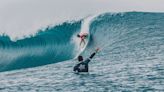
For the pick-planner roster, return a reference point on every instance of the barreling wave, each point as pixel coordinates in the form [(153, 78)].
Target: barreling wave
[(138, 33), (50, 45)]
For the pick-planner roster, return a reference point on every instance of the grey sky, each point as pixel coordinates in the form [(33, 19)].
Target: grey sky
[(23, 17)]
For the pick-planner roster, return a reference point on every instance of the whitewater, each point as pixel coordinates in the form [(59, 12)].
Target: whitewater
[(131, 57)]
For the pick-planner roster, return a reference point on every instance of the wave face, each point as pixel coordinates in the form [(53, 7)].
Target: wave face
[(132, 35), (50, 45)]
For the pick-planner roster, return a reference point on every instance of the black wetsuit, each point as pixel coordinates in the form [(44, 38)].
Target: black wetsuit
[(83, 66)]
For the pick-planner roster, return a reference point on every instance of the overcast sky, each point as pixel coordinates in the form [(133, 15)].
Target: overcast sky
[(23, 17)]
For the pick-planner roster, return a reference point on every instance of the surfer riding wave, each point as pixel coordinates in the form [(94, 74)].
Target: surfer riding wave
[(82, 37)]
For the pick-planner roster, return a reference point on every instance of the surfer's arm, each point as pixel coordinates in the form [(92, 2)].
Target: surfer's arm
[(78, 35), (76, 69), (89, 59), (92, 55)]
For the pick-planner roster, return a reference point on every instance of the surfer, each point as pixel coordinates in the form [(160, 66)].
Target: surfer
[(82, 37), (82, 66)]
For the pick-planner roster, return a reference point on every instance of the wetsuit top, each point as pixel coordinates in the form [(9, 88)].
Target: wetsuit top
[(83, 66)]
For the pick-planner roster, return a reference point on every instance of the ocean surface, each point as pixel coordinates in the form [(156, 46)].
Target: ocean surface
[(131, 57)]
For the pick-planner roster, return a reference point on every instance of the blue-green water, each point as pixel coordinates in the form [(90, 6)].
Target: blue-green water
[(131, 60)]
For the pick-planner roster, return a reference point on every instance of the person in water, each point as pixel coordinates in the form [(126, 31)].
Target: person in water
[(82, 66), (82, 37)]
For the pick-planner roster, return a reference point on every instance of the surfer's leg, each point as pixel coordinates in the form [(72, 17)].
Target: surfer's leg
[(80, 42), (84, 42)]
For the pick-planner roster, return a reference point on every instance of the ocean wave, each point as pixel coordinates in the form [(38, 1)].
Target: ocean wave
[(130, 32)]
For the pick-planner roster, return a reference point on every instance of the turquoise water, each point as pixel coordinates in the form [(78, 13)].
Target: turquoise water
[(48, 46), (131, 59)]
